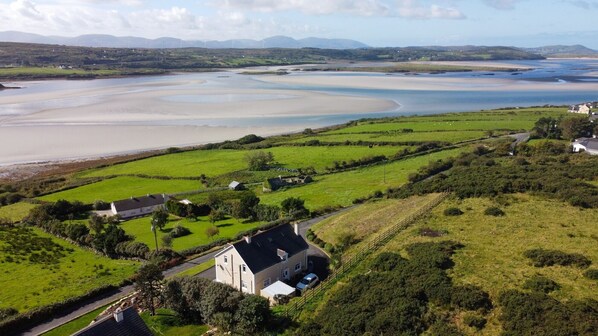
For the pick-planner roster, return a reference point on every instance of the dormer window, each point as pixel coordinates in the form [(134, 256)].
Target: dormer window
[(282, 254)]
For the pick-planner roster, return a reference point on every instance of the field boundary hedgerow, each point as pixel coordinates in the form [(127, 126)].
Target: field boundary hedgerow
[(294, 309)]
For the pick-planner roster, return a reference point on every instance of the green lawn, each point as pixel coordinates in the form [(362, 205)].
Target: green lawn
[(343, 188), (140, 229), (16, 212), (197, 269), (122, 187), (165, 323), (448, 136), (76, 324), (217, 162), (27, 284)]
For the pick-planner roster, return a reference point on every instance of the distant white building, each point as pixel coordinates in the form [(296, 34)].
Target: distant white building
[(584, 108), (588, 145), (234, 185), (138, 206)]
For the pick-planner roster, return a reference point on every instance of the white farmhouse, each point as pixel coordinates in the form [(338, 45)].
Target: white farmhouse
[(257, 262), (138, 206)]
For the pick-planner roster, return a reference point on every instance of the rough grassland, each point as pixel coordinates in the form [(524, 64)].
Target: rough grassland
[(368, 219), (448, 136), (217, 162), (16, 212), (121, 188), (140, 228), (343, 188), (27, 285)]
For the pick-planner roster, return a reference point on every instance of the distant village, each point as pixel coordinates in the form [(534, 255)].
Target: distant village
[(588, 145)]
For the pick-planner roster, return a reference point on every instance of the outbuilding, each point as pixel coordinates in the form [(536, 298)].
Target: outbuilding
[(138, 206)]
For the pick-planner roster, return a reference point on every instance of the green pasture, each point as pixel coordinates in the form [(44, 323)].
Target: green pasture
[(27, 285), (76, 324), (492, 256), (122, 187), (217, 162), (16, 212), (52, 71), (140, 229), (447, 136), (165, 323), (197, 269), (343, 188)]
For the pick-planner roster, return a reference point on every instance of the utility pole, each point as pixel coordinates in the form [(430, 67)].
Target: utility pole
[(155, 233)]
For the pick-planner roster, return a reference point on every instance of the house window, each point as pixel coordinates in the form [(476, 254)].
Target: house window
[(225, 259), (285, 274), (297, 267), (243, 284), (266, 282), (244, 268)]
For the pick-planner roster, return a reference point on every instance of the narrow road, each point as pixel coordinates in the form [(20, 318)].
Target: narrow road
[(97, 302)]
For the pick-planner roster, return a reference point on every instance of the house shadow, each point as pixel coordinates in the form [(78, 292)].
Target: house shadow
[(319, 266), (224, 225)]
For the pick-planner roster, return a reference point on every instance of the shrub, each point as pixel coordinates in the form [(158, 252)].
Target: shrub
[(101, 205), (543, 258), (7, 312), (540, 284), (179, 231), (453, 211), (494, 211), (387, 261), (329, 247), (427, 232), (474, 321), (441, 328), (591, 274), (470, 297)]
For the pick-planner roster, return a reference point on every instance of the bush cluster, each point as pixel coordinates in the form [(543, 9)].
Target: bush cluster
[(543, 258), (591, 274), (179, 231), (474, 321), (494, 211), (542, 284), (10, 198), (368, 160), (452, 211)]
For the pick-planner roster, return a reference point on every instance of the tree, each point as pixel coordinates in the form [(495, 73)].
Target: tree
[(246, 206), (546, 128), (148, 282), (212, 231), (252, 314), (159, 218), (294, 207), (96, 223), (258, 160), (576, 127), (167, 241)]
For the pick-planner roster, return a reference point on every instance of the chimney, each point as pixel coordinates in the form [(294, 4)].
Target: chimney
[(296, 228), (247, 239), (118, 315)]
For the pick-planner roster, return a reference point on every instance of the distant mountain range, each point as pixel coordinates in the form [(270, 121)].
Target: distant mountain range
[(563, 51), (109, 41)]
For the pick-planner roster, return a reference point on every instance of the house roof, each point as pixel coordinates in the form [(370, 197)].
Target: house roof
[(588, 143), (234, 184), (262, 252), (278, 287), (132, 324), (139, 202)]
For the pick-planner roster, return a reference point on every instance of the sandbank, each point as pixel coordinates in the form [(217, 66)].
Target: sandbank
[(401, 82)]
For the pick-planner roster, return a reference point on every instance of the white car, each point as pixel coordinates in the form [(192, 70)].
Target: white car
[(308, 281)]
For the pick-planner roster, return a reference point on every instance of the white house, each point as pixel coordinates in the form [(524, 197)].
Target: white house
[(234, 185), (588, 145), (257, 262), (138, 206)]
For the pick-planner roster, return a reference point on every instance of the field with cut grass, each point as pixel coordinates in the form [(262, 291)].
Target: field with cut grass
[(76, 324), (37, 269), (448, 136), (16, 212), (217, 162), (197, 269), (165, 323), (343, 188), (140, 229), (122, 187)]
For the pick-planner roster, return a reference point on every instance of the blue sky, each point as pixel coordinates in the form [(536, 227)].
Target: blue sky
[(374, 22)]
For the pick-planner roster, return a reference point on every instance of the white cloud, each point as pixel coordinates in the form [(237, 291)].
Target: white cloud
[(583, 4), (26, 9), (321, 7), (415, 10), (502, 4)]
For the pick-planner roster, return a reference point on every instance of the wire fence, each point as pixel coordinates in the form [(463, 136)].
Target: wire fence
[(294, 308)]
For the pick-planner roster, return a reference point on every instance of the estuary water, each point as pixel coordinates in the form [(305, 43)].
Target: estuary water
[(64, 119)]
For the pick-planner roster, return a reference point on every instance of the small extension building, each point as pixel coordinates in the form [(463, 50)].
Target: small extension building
[(255, 263), (234, 185), (588, 145), (138, 206), (121, 323)]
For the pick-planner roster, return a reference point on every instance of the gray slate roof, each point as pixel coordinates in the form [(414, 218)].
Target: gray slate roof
[(139, 202), (589, 143), (132, 324), (262, 252)]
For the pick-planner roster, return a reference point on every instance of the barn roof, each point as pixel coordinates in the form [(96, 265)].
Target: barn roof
[(139, 202)]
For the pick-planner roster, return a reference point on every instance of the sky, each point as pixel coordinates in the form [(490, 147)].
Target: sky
[(378, 23)]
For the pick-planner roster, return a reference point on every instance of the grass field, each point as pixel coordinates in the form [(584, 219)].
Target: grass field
[(76, 324), (448, 136), (164, 323), (27, 284), (122, 187), (16, 212), (343, 188), (140, 228), (197, 269), (217, 162)]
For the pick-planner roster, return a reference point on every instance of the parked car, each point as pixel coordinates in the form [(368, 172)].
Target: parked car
[(307, 282)]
